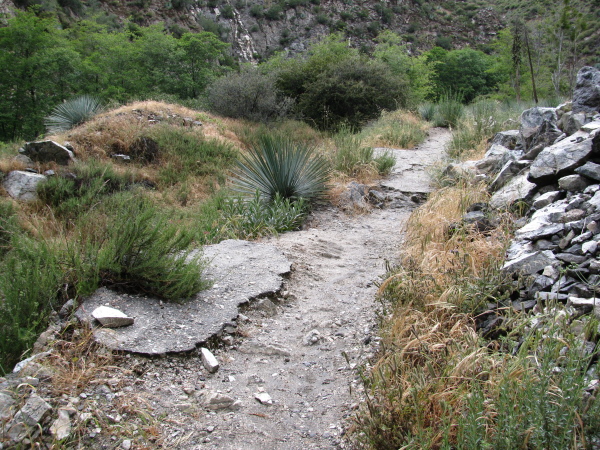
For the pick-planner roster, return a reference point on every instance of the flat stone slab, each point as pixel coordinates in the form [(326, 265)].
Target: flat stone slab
[(241, 271)]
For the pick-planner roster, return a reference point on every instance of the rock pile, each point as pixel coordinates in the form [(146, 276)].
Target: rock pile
[(550, 168)]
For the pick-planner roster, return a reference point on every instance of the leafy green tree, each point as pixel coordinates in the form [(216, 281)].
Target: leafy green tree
[(198, 64), (352, 92), (393, 51), (465, 71), (38, 69)]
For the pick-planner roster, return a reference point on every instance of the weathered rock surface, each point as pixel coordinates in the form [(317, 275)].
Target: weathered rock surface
[(48, 151), (586, 96), (563, 157), (22, 185), (518, 189), (241, 271)]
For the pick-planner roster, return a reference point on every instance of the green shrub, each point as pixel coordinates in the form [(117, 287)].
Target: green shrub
[(140, 251), (250, 219), (427, 111), (30, 286), (274, 12), (250, 95), (257, 11), (70, 197), (385, 162), (72, 113), (278, 166), (227, 12), (187, 153), (352, 91), (8, 226), (449, 110), (351, 154)]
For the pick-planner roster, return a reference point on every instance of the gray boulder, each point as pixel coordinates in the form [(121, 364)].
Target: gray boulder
[(573, 183), (508, 139), (571, 122), (22, 185), (590, 170), (509, 170), (47, 151), (586, 97), (546, 134), (530, 263), (563, 158), (531, 121), (517, 189)]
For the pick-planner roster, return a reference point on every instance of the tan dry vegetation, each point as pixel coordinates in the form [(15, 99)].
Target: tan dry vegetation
[(396, 125), (116, 129)]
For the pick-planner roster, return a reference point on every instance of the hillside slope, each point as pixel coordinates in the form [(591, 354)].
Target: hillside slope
[(258, 28)]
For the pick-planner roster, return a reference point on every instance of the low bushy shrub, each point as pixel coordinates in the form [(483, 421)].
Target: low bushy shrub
[(250, 95), (250, 219)]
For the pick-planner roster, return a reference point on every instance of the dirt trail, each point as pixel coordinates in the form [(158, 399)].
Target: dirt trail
[(302, 350)]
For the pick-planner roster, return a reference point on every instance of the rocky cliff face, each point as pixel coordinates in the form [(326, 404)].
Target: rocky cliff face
[(258, 28)]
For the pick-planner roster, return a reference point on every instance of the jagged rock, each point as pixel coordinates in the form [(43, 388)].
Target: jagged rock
[(312, 337), (25, 422), (263, 398), (7, 404), (545, 135), (208, 360), (546, 199), (217, 401), (590, 170), (494, 159), (586, 96), (590, 247), (563, 158), (354, 197), (25, 160), (571, 122), (516, 190), (61, 427), (508, 139), (507, 172), (531, 120), (47, 151), (111, 317), (591, 126), (22, 185), (266, 306), (573, 183), (530, 263)]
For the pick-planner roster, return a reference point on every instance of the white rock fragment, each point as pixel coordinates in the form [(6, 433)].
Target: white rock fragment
[(263, 398), (111, 317), (589, 247), (61, 427), (208, 359), (217, 401)]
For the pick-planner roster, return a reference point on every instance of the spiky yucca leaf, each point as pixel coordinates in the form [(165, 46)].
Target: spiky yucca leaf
[(72, 113), (279, 166)]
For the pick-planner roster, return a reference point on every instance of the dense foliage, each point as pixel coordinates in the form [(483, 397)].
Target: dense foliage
[(41, 65)]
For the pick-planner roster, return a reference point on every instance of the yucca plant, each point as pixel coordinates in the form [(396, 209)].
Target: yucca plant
[(72, 113), (277, 165)]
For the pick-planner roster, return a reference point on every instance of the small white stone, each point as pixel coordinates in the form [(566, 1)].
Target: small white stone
[(111, 317), (208, 359), (589, 247), (263, 398)]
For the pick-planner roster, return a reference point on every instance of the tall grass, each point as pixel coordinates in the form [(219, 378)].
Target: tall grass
[(449, 110), (438, 384), (396, 129)]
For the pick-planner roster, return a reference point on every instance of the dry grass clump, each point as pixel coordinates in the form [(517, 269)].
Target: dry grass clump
[(397, 129), (116, 130), (438, 384)]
